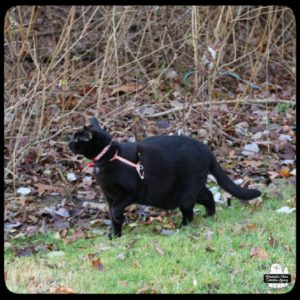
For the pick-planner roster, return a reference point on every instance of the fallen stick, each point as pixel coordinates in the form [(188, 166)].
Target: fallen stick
[(242, 101)]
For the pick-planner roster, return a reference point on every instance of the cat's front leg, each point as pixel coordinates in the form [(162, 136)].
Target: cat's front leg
[(117, 216)]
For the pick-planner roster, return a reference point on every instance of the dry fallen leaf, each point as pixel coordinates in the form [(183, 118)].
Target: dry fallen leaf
[(208, 248), (87, 89), (97, 264), (64, 290), (251, 227), (287, 248), (272, 87), (126, 88), (151, 219), (256, 204), (272, 175), (291, 202), (284, 172), (44, 227), (74, 237), (90, 256), (158, 218), (273, 243), (159, 250), (146, 290), (26, 251), (102, 207), (259, 253), (231, 153), (43, 188), (67, 102), (253, 163), (143, 290)]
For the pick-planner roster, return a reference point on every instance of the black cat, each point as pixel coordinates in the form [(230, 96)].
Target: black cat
[(161, 171)]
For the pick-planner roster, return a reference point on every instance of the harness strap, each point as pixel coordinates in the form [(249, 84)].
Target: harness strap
[(101, 154), (139, 168), (105, 149)]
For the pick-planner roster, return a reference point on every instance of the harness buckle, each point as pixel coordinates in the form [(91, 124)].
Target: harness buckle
[(141, 171)]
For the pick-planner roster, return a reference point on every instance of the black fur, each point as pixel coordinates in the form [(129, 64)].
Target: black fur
[(175, 170)]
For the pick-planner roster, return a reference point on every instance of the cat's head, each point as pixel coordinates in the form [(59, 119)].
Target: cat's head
[(89, 140)]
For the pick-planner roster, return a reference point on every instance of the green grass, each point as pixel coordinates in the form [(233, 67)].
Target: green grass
[(179, 263)]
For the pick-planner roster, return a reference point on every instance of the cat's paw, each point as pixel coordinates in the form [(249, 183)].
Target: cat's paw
[(113, 235), (207, 215)]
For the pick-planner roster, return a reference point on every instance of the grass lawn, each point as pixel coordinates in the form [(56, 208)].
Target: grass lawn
[(214, 255)]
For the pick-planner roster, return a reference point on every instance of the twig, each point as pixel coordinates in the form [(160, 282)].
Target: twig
[(22, 150), (62, 176), (241, 101)]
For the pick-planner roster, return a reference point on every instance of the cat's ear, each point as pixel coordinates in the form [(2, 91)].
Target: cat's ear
[(94, 123), (86, 137)]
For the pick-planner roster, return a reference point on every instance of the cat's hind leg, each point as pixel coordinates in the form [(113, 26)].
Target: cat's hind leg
[(206, 198), (186, 205)]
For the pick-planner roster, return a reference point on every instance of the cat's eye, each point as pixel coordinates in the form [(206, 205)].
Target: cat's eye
[(76, 139)]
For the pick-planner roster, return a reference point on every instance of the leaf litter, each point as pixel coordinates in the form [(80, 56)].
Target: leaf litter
[(51, 173)]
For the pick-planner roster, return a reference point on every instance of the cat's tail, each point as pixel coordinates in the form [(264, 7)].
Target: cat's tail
[(229, 186)]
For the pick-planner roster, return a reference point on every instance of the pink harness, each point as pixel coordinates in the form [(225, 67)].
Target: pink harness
[(139, 168)]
